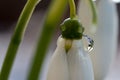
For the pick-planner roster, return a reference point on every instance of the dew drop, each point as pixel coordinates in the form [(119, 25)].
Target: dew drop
[(90, 43), (89, 48)]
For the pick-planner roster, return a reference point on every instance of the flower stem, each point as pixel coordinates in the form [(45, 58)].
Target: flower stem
[(94, 12), (72, 9), (17, 38), (53, 18)]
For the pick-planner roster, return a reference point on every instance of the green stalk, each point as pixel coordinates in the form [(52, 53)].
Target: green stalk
[(72, 9), (17, 38), (53, 18), (94, 12)]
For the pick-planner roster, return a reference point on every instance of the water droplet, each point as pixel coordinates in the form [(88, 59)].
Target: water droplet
[(90, 43), (89, 48)]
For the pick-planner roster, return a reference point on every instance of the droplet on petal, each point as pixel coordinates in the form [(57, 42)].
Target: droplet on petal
[(90, 43), (89, 48)]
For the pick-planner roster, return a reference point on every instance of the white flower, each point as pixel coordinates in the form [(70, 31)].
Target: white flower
[(72, 65), (106, 36)]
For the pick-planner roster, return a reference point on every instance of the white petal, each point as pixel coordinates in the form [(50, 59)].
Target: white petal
[(105, 39), (74, 65), (85, 15), (58, 68), (79, 63)]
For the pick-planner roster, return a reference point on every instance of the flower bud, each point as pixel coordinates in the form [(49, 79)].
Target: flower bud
[(72, 65)]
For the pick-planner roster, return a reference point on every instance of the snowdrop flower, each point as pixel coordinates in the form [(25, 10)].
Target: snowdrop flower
[(70, 61), (105, 37)]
